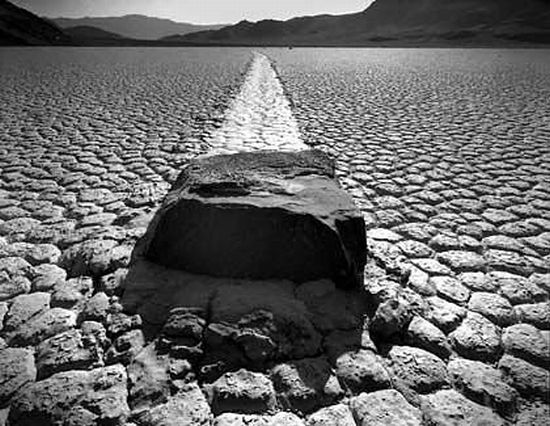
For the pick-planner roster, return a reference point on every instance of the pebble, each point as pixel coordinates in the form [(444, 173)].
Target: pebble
[(527, 378), (383, 408), (492, 306), (362, 371), (306, 384), (423, 334), (527, 342), (448, 407), (335, 415), (17, 369), (484, 385), (67, 351), (416, 369), (243, 392), (476, 338)]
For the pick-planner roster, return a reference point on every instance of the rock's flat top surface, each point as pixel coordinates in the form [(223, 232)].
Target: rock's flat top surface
[(260, 215)]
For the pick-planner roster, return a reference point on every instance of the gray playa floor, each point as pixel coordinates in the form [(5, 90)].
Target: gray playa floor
[(446, 153)]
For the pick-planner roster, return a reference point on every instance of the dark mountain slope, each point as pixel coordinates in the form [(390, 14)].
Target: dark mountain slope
[(135, 26), (399, 22), (21, 27), (85, 35)]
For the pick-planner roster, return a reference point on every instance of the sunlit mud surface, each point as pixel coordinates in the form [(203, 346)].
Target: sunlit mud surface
[(446, 153)]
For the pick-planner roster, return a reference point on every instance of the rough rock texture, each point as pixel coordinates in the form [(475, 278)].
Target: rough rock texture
[(260, 215), (279, 419), (74, 397), (483, 384), (383, 408), (243, 392), (16, 370), (362, 371), (335, 415), (448, 407), (453, 186), (187, 407), (306, 384)]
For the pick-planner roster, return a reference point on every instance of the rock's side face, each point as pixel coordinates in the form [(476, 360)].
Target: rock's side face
[(260, 215)]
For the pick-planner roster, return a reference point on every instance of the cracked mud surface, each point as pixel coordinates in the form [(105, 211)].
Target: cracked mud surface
[(447, 153)]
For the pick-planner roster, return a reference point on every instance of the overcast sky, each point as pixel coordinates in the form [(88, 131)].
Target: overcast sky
[(195, 11)]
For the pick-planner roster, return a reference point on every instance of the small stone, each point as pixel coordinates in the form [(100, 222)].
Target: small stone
[(187, 407), (279, 419), (527, 342), (119, 323), (72, 293), (92, 257), (394, 313), (46, 276), (526, 378), (83, 398), (126, 347), (242, 392), (148, 378), (362, 371), (414, 249), (448, 407), (492, 306), (425, 335), (537, 314), (517, 289), (25, 307), (419, 281), (96, 308), (417, 370), (462, 261), (16, 370), (385, 407), (535, 414), (39, 327), (306, 384), (477, 281), (431, 266), (541, 280), (443, 314), (477, 338), (42, 253), (384, 235), (336, 415), (67, 351), (113, 283), (483, 384), (11, 287), (450, 288), (185, 323), (509, 261)]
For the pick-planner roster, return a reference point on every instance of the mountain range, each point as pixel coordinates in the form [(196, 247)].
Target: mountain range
[(398, 22), (137, 27), (21, 27), (383, 23)]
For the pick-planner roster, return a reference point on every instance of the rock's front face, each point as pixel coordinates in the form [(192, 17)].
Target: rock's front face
[(260, 215)]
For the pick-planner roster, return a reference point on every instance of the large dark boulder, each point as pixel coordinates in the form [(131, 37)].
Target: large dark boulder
[(259, 215)]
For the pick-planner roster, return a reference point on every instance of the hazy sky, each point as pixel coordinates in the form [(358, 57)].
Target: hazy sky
[(196, 11)]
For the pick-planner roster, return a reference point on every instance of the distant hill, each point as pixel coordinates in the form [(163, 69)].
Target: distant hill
[(137, 27), (398, 22), (91, 35), (21, 27)]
